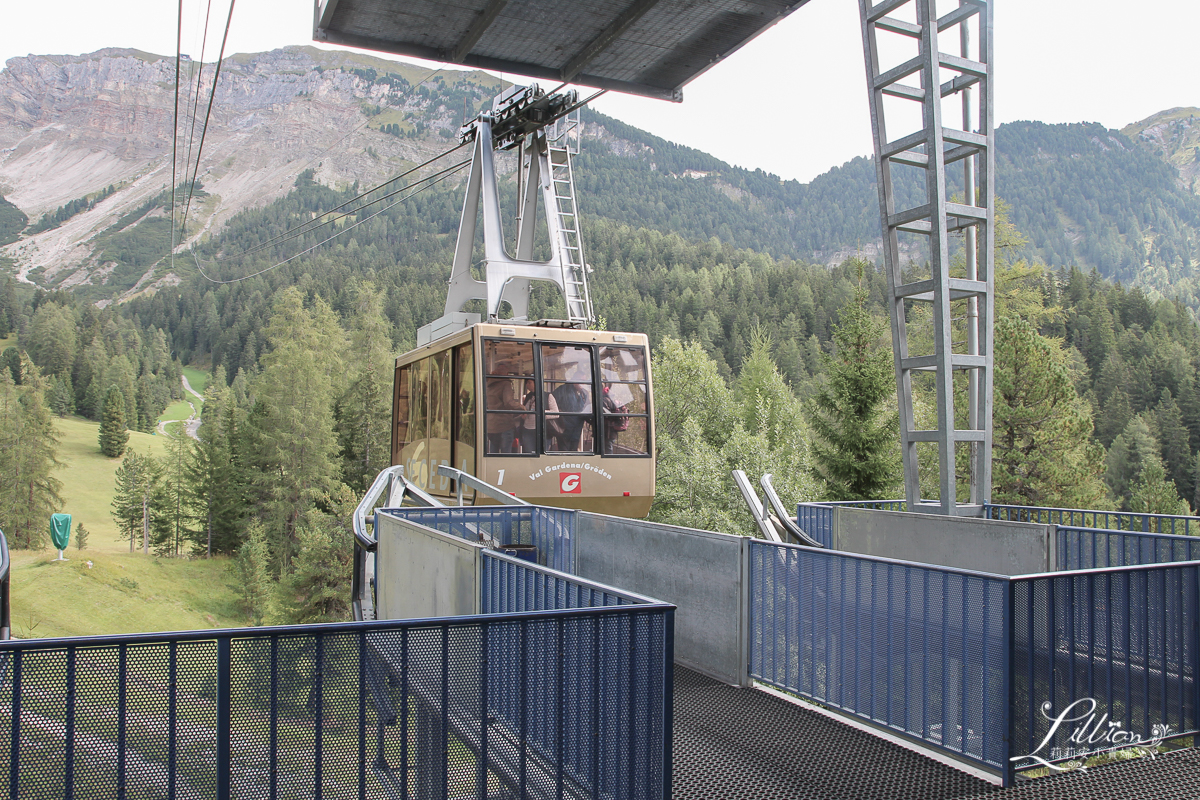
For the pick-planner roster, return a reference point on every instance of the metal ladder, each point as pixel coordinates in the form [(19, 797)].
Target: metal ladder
[(561, 141)]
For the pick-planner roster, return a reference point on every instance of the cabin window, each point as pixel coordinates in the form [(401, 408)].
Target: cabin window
[(415, 457), (508, 372), (568, 402), (440, 415), (550, 404), (464, 410), (625, 417), (400, 412)]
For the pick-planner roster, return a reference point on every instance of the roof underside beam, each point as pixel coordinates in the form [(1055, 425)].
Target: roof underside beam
[(477, 29), (496, 64), (606, 37)]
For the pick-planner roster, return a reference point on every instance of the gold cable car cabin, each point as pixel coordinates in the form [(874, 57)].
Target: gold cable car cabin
[(555, 416), (549, 411)]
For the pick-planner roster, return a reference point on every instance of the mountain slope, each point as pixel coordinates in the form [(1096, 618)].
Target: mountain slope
[(1173, 136), (85, 153), (71, 126)]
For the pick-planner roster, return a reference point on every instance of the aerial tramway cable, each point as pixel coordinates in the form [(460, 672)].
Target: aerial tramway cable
[(175, 127), (313, 224), (196, 93), (204, 130), (440, 176)]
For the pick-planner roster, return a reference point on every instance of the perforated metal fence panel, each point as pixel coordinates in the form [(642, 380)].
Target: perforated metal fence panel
[(920, 650), (816, 521), (510, 585), (1114, 647), (559, 704), (1090, 548), (550, 530)]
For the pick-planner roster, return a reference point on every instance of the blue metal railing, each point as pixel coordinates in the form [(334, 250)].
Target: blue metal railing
[(816, 519), (1104, 520), (407, 708), (550, 530), (1112, 650), (918, 649), (512, 585), (636, 644), (1095, 548), (979, 665)]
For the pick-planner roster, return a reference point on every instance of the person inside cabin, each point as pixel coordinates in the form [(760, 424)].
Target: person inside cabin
[(615, 420), (575, 401), (502, 428)]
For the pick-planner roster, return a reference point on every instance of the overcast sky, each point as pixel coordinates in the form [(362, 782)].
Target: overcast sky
[(793, 102)]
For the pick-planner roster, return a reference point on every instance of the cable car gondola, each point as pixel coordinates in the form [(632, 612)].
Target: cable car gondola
[(550, 411)]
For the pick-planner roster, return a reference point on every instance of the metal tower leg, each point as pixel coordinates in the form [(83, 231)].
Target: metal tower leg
[(953, 332)]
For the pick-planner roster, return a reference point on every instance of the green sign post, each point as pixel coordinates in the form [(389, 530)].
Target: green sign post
[(60, 533)]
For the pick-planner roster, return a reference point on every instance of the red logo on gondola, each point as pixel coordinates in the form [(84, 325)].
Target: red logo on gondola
[(570, 483)]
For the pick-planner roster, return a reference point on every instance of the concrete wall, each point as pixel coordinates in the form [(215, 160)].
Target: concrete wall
[(425, 573), (999, 547), (700, 572)]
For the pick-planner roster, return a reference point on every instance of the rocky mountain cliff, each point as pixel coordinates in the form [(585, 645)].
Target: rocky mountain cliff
[(1175, 137), (71, 126)]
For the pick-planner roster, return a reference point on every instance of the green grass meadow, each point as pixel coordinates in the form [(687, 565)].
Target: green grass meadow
[(121, 592)]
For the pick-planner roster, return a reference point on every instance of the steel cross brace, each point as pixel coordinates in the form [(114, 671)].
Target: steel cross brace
[(948, 66)]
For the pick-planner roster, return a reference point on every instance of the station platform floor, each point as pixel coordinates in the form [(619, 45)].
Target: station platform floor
[(733, 743)]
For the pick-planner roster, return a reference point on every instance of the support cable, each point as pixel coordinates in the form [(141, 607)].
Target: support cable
[(175, 127), (440, 176), (313, 224), (204, 130), (199, 83)]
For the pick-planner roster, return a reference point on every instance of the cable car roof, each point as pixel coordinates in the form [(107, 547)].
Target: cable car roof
[(646, 47)]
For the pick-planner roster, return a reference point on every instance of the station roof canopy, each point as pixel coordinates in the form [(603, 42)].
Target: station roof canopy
[(646, 47)]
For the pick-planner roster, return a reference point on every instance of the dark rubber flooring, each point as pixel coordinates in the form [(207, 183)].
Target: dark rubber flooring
[(744, 743)]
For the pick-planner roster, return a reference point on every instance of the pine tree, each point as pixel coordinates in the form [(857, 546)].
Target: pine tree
[(214, 475), (171, 524), (29, 492), (11, 360), (135, 501), (1042, 453), (1173, 438), (1154, 493), (113, 435), (318, 588), (295, 445), (254, 568), (856, 427), (62, 398), (1128, 455), (364, 410), (81, 537)]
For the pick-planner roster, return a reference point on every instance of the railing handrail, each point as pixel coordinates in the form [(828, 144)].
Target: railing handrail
[(322, 628), (1093, 511), (1182, 537), (363, 543), (633, 598), (885, 560), (1071, 573), (757, 510), (464, 479)]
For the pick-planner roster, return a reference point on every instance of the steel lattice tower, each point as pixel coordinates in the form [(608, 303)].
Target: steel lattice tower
[(940, 281)]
